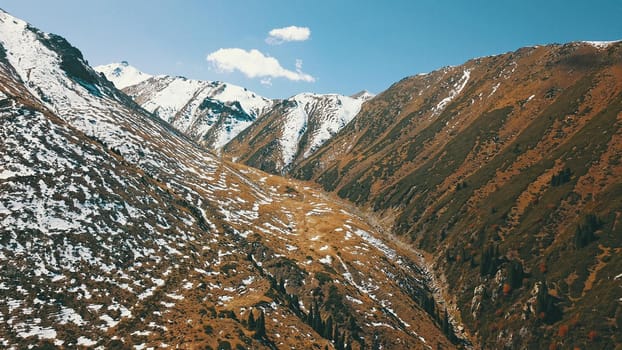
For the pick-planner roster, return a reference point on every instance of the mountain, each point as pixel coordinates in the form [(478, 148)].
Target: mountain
[(363, 95), (118, 231), (505, 170), (209, 112), (213, 113), (122, 74), (294, 129)]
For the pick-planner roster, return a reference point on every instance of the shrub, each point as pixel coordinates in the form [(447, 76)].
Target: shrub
[(584, 234), (592, 335), (224, 345), (563, 330), (507, 289)]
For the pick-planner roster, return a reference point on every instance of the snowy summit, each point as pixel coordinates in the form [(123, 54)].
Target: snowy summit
[(122, 74)]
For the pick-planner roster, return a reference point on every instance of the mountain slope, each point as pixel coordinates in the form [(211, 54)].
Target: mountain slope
[(506, 170), (117, 231), (293, 130)]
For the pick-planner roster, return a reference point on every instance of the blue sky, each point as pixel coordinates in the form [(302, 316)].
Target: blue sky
[(353, 45)]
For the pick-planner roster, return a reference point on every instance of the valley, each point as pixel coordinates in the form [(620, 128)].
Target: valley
[(120, 232), (473, 207)]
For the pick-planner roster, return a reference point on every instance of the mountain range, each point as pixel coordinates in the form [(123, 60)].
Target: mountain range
[(476, 206), (214, 113)]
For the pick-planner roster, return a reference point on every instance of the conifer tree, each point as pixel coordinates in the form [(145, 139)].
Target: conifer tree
[(447, 328), (489, 261), (260, 327), (316, 320), (251, 320), (328, 328), (335, 335)]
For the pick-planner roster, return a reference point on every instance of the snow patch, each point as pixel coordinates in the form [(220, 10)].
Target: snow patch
[(457, 89), (601, 44)]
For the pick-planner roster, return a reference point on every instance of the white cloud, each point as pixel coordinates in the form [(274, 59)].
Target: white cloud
[(292, 33), (266, 81), (254, 64)]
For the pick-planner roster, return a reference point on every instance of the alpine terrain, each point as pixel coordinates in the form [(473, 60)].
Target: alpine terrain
[(507, 172), (293, 130), (477, 206), (118, 231), (213, 113)]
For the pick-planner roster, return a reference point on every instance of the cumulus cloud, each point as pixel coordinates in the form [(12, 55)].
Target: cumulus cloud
[(292, 33), (254, 64)]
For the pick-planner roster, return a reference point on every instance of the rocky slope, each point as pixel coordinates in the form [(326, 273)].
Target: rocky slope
[(507, 171), (116, 231), (293, 130)]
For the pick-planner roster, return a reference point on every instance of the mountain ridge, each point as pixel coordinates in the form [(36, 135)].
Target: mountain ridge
[(293, 130), (467, 162), (215, 113)]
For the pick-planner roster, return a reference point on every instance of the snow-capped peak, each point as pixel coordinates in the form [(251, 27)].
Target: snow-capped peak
[(320, 116), (122, 74), (363, 95), (211, 112)]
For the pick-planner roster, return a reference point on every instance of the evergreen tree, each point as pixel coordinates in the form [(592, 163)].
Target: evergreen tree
[(316, 320), (489, 261), (335, 335), (446, 325), (353, 327), (515, 274), (251, 320), (328, 328), (260, 327), (375, 345), (584, 234), (339, 341), (561, 178), (546, 309), (294, 302), (310, 316)]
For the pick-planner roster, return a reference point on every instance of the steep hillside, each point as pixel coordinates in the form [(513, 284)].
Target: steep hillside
[(116, 231), (508, 171), (293, 130)]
